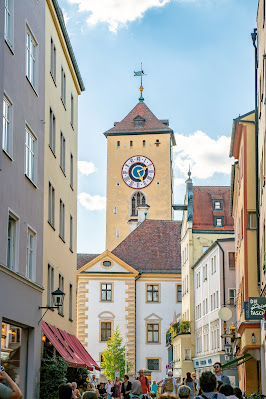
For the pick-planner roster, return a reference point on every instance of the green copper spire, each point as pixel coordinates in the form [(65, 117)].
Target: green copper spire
[(140, 73)]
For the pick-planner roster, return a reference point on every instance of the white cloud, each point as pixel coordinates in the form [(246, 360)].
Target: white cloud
[(86, 168), (92, 202), (65, 16), (204, 155), (178, 181), (116, 13)]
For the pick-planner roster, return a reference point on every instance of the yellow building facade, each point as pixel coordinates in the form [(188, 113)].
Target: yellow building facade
[(63, 86), (200, 229), (139, 171), (243, 209)]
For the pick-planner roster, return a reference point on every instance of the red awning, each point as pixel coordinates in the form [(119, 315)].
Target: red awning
[(69, 347)]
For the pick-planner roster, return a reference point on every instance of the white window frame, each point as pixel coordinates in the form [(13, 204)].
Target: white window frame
[(61, 287), (30, 155), (63, 86), (31, 254), (53, 60), (71, 233), (62, 220), (14, 242), (232, 302), (71, 302), (51, 204), (9, 23), (50, 284), (72, 111), (117, 233), (187, 354), (71, 171), (52, 131), (63, 153), (31, 58), (7, 135)]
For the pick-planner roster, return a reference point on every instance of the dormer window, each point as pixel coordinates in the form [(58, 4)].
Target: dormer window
[(217, 205), (218, 221), (139, 122)]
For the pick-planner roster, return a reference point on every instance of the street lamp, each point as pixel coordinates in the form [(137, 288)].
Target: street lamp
[(58, 297)]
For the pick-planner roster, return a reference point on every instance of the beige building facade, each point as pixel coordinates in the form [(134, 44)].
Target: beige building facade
[(63, 86)]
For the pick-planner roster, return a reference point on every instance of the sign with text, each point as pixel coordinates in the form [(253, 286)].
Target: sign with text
[(117, 373), (256, 308)]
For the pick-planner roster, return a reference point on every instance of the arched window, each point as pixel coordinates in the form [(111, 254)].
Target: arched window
[(137, 199)]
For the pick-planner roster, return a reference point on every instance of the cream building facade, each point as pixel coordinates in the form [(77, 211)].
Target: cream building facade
[(63, 86)]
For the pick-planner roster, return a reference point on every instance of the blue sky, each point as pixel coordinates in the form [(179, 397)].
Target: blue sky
[(199, 61)]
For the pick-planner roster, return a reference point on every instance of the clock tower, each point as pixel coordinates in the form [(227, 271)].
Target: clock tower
[(139, 171)]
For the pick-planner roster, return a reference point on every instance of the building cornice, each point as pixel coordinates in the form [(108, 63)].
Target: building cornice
[(21, 278)]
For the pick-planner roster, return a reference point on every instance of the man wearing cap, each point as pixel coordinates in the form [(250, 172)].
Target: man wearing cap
[(169, 381), (145, 385)]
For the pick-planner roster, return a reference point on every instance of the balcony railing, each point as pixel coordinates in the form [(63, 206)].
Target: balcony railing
[(179, 328)]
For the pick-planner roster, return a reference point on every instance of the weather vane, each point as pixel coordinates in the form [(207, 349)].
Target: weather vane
[(140, 73)]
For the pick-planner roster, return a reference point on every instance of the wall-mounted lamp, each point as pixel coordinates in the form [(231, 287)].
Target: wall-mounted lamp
[(57, 299), (253, 338)]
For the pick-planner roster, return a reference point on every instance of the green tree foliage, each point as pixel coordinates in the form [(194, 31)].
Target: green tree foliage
[(53, 373), (73, 373), (114, 356)]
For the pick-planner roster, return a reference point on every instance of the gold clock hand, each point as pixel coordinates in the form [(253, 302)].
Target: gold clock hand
[(140, 177)]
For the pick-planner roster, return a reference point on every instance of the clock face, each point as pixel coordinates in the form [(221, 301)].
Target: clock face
[(138, 171)]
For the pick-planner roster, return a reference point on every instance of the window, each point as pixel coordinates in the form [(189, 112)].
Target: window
[(63, 87), (179, 293), (71, 171), (231, 256), (30, 155), (31, 53), (52, 131), (72, 111), (153, 364), (153, 333), (144, 143), (218, 221), (217, 299), (118, 144), (115, 210), (12, 242), (51, 204), (232, 296), (252, 220), (131, 143), (53, 60), (106, 290), (62, 153), (137, 199), (187, 354), (31, 245), (50, 285), (204, 274), (117, 233), (204, 249), (106, 331), (62, 221), (107, 263), (217, 205), (152, 293), (71, 233), (9, 18), (70, 301), (61, 287), (7, 131)]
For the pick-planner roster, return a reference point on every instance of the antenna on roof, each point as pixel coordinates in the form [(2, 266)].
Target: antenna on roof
[(140, 73)]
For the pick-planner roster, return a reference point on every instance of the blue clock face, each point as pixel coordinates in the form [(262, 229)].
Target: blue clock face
[(138, 172)]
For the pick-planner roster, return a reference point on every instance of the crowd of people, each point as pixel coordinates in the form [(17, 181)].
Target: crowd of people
[(210, 386)]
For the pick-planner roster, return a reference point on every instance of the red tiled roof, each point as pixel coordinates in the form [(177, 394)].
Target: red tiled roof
[(83, 259), (152, 124), (203, 213), (154, 246)]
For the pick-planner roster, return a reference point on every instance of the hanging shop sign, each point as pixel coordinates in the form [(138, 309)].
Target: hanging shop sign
[(256, 308)]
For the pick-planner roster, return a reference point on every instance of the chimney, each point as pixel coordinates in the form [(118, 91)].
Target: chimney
[(132, 224), (142, 212)]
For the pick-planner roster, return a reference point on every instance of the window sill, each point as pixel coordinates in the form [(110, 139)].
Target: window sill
[(52, 151), (53, 79), (63, 103), (62, 239), (71, 250), (70, 320), (51, 225), (61, 314), (7, 154), (71, 188), (32, 182), (72, 126), (153, 343), (153, 302), (106, 301), (33, 88), (9, 45), (63, 171)]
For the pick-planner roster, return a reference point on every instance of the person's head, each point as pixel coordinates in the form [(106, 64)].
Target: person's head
[(153, 394), (101, 385), (109, 382), (136, 387), (184, 392), (189, 379), (170, 373), (79, 377), (93, 377), (141, 372), (65, 391), (74, 385), (207, 381), (89, 395), (193, 375), (238, 393), (217, 368), (226, 389), (126, 377), (219, 384), (117, 379), (154, 382), (167, 395)]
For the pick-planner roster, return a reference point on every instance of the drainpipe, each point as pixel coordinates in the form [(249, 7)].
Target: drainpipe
[(140, 273), (221, 248), (254, 40)]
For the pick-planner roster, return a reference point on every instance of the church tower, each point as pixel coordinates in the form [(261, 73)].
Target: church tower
[(139, 172)]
